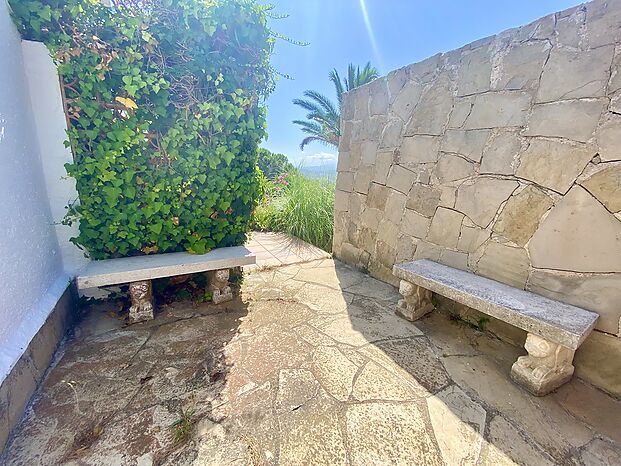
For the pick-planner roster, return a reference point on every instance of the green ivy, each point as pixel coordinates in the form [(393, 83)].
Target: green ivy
[(164, 103)]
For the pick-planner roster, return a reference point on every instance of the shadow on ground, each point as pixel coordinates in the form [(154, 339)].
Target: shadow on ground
[(457, 382), (117, 393), (311, 366)]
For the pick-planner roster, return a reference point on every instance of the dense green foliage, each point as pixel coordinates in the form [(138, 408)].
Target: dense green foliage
[(300, 206), (273, 164), (323, 120), (164, 105)]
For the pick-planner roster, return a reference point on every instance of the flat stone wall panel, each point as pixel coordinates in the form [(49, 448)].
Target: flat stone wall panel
[(432, 111), (520, 217), (502, 158), (520, 67), (573, 74), (598, 292), (608, 136), (481, 198), (605, 185), (553, 164), (500, 153), (498, 110), (598, 360), (469, 144), (578, 235), (568, 119)]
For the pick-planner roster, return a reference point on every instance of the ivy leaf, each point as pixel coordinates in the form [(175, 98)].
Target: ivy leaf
[(131, 89), (146, 36), (126, 102), (150, 249), (224, 205), (155, 228), (199, 247), (111, 195), (45, 13), (228, 157)]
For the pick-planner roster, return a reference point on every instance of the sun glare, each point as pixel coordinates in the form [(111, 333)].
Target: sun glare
[(367, 22)]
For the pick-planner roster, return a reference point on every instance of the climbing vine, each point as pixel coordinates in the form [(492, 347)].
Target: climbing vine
[(164, 107)]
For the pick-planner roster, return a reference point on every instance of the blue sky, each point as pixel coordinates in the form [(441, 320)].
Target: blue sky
[(404, 31)]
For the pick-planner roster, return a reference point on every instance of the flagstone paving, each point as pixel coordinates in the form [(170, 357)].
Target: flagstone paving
[(310, 366), (275, 249)]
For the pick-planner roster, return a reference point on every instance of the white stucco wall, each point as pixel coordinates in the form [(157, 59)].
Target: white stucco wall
[(31, 272), (51, 127)]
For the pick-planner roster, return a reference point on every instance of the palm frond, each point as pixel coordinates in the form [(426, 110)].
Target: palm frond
[(330, 121), (324, 117), (318, 132), (338, 86), (307, 105), (327, 105), (310, 125), (368, 74), (307, 140), (322, 133)]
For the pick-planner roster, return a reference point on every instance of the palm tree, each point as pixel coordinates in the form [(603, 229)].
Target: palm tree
[(322, 123)]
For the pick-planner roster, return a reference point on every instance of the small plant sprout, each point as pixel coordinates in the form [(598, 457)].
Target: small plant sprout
[(182, 427)]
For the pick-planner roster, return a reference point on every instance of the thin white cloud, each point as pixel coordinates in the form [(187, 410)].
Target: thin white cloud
[(319, 159)]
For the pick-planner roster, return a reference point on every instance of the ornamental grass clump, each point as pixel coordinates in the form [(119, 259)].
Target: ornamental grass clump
[(164, 104), (300, 206)]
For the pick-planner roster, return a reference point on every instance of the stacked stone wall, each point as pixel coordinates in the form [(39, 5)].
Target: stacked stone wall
[(502, 158)]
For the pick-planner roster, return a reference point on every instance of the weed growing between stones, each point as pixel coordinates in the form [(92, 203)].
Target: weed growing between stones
[(183, 427)]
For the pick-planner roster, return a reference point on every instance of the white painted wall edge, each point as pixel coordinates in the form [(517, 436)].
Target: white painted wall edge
[(18, 342), (51, 128), (31, 270)]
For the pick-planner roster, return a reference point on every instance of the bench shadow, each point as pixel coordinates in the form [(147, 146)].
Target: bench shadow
[(131, 390), (458, 376)]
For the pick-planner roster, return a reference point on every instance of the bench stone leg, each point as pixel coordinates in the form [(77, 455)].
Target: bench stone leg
[(218, 285), (141, 294), (547, 366), (416, 301)]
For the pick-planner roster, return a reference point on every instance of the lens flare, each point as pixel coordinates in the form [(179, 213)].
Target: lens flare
[(367, 22)]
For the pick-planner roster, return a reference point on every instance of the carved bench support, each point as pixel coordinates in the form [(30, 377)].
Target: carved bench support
[(218, 285), (416, 301), (141, 295), (547, 366)]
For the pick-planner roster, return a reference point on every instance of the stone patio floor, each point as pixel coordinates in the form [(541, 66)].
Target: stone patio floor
[(274, 249), (309, 366)]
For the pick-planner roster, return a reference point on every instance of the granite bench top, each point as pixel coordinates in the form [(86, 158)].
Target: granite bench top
[(553, 320), (133, 269)]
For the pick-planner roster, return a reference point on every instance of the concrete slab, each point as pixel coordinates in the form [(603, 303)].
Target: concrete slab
[(133, 269), (555, 321)]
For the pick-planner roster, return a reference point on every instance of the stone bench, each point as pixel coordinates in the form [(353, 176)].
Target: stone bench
[(555, 329), (138, 271)]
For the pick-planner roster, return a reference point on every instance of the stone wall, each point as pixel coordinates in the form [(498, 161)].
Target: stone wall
[(502, 158)]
